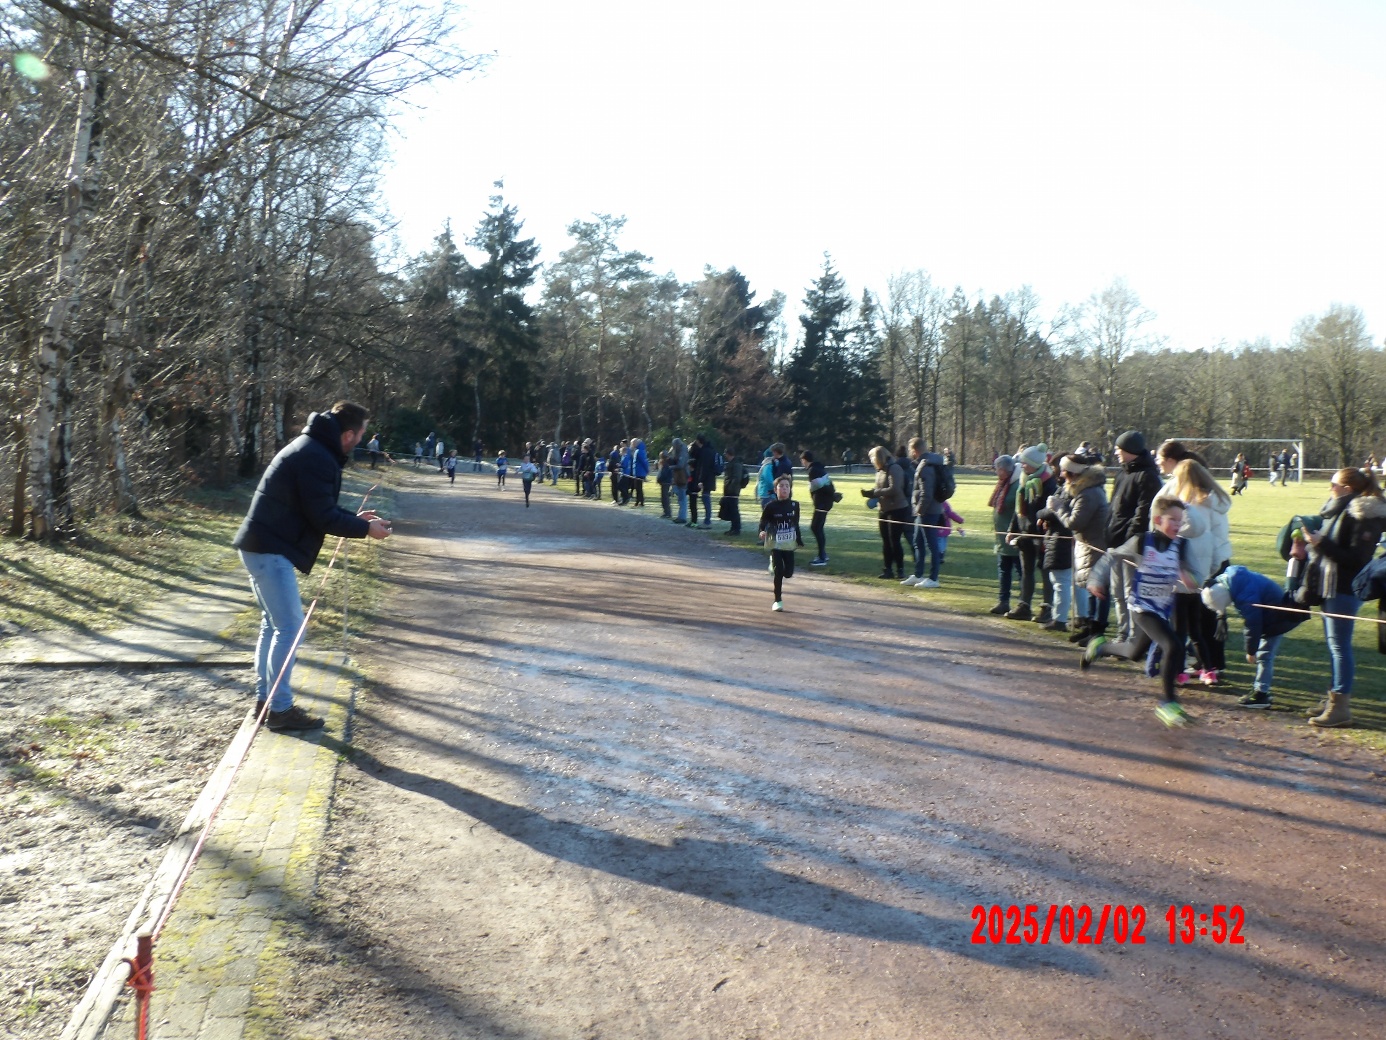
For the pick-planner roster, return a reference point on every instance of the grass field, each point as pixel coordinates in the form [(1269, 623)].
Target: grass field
[(969, 584)]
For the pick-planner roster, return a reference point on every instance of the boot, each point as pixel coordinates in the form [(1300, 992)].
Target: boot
[(1082, 630), (1337, 713), (1001, 608), (1046, 615), (1020, 613), (1318, 709), (1055, 626)]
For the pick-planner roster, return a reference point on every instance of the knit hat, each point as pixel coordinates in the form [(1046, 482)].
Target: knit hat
[(1004, 463), (1217, 597), (1132, 441), (1075, 464), (1035, 456)]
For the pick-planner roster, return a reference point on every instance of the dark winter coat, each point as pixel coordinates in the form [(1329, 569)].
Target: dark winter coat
[(1084, 511), (1031, 497), (922, 501), (705, 468), (1058, 539), (295, 506), (1137, 484), (733, 478), (1351, 530)]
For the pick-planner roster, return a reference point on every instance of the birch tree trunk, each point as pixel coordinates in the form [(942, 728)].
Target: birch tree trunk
[(47, 438), (118, 380)]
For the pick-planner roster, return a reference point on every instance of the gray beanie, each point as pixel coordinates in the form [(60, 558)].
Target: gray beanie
[(1005, 463)]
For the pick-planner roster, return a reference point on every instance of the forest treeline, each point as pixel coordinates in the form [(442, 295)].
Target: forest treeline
[(191, 260)]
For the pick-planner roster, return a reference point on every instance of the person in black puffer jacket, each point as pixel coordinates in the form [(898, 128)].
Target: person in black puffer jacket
[(1137, 483), (294, 509), (1057, 560), (1037, 483)]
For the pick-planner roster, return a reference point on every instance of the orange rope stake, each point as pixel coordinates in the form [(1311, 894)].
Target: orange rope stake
[(142, 982)]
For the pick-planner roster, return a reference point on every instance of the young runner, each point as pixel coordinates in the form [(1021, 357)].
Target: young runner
[(779, 526), (1158, 559)]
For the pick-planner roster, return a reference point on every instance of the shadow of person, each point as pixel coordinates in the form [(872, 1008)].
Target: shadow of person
[(730, 873)]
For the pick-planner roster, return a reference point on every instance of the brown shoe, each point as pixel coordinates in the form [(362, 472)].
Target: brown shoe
[(294, 718), (1337, 713)]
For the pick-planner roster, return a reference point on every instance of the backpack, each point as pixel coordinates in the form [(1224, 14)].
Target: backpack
[(945, 484), (719, 464)]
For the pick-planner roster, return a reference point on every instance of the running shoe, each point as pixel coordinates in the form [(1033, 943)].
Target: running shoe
[(818, 561), (778, 605), (1090, 652), (1172, 714), (1209, 677), (1255, 699), (911, 580), (927, 583)]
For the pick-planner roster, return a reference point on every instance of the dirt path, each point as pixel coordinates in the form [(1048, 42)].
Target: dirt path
[(602, 791)]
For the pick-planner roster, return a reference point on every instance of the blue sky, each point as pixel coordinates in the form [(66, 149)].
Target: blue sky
[(1224, 157)]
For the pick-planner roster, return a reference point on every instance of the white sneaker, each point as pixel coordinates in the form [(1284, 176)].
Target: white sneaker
[(911, 580), (927, 583), (778, 605)]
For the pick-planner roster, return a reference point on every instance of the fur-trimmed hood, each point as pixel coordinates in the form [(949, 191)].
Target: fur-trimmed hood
[(1095, 476), (1367, 507)]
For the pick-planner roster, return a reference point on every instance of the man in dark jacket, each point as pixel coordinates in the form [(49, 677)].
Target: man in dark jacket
[(704, 475), (294, 509), (1137, 483), (927, 537)]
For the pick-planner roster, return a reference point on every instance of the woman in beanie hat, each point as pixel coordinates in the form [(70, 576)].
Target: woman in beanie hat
[(1083, 510), (1002, 505), (1037, 483)]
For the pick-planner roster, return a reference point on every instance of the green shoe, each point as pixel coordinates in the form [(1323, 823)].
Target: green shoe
[(1172, 714), (1090, 652)]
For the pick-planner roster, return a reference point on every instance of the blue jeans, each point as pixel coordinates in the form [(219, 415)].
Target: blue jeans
[(275, 584), (707, 507), (682, 491), (1007, 570), (1063, 586), (1265, 664), (927, 539), (1338, 635)]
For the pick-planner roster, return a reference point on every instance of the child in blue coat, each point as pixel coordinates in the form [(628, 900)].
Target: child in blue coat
[(1251, 594)]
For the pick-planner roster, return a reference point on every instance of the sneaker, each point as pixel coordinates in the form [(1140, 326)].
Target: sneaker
[(886, 576), (1255, 699), (1090, 652), (778, 605), (927, 583), (1055, 626), (1000, 608), (1182, 679), (294, 718), (818, 561), (1082, 632), (1209, 678), (911, 580), (1172, 714), (1020, 613), (706, 526)]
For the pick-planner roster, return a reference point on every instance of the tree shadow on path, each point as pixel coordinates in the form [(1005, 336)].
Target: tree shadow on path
[(733, 874)]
